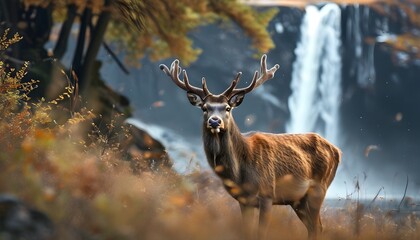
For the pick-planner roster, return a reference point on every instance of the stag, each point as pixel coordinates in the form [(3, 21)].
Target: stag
[(262, 169)]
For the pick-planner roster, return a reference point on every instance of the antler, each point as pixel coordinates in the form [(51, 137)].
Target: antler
[(173, 73), (256, 80)]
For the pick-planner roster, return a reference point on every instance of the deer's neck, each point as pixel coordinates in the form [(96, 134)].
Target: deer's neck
[(225, 151)]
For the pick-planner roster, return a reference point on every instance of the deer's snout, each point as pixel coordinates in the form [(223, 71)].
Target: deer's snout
[(214, 122)]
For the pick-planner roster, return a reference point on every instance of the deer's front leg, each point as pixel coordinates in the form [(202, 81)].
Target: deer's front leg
[(265, 205), (247, 212)]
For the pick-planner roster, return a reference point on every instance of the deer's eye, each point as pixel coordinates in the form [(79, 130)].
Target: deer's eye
[(204, 109), (228, 109)]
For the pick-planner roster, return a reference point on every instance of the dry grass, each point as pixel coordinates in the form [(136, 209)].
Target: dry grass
[(90, 192)]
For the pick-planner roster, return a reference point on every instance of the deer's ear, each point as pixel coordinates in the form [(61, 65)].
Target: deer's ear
[(236, 99), (195, 99)]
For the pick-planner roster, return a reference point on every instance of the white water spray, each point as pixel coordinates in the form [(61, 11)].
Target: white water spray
[(316, 78)]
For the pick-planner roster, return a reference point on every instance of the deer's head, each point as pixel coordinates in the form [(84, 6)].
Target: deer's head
[(217, 108)]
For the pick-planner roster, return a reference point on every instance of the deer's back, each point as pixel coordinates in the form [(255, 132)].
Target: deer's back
[(305, 156)]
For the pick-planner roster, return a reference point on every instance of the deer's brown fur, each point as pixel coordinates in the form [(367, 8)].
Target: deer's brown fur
[(258, 162), (262, 169)]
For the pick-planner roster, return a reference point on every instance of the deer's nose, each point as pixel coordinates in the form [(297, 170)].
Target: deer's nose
[(215, 122)]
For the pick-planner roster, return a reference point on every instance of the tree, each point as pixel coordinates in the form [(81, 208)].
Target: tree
[(156, 27)]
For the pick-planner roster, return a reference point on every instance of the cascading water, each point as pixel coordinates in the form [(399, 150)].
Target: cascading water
[(316, 78), (362, 67)]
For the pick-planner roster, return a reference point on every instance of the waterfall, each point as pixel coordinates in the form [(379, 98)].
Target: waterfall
[(362, 67), (316, 79)]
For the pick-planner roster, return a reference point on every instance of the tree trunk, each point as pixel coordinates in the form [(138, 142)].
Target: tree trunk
[(78, 55), (61, 46), (93, 49), (4, 11)]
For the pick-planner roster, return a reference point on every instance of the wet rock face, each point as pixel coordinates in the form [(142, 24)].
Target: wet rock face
[(380, 91), (18, 221), (145, 152)]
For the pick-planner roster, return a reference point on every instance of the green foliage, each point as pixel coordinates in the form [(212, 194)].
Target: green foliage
[(254, 23), (163, 26), (159, 28)]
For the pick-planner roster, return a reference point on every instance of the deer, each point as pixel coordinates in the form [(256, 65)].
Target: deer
[(261, 169)]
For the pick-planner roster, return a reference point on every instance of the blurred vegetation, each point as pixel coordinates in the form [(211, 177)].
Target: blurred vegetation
[(89, 190)]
